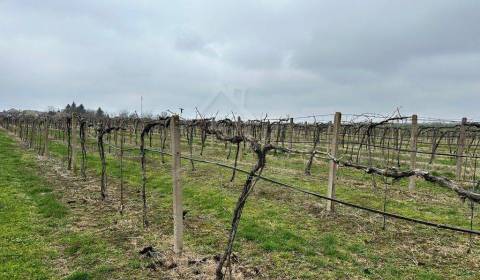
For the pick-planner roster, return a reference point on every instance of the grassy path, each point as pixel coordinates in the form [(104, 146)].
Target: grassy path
[(39, 233), (29, 215)]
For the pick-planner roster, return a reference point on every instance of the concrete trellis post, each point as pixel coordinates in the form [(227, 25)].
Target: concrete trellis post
[(413, 149), (177, 189), (460, 148), (74, 142), (332, 173)]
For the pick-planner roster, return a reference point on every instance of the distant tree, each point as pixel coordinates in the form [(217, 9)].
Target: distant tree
[(99, 113), (81, 109), (70, 108)]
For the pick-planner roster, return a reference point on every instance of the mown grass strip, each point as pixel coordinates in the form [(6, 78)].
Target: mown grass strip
[(29, 212)]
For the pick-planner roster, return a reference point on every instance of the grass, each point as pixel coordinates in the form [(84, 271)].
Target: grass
[(29, 212), (35, 227), (288, 235)]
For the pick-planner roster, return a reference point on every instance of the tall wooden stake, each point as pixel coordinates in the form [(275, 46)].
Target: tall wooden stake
[(122, 139), (74, 142), (332, 174), (177, 189), (460, 148), (413, 149)]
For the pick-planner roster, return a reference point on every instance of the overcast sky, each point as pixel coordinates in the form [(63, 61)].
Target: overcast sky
[(283, 57)]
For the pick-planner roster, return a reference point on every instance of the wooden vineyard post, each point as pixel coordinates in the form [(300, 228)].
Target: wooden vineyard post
[(413, 149), (45, 135), (290, 134), (460, 148), (177, 189), (332, 173), (74, 142), (122, 139)]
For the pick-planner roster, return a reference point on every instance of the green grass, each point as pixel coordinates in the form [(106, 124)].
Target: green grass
[(29, 212), (79, 275), (283, 232), (34, 231)]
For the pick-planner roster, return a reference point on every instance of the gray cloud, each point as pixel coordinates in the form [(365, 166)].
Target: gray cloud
[(291, 57)]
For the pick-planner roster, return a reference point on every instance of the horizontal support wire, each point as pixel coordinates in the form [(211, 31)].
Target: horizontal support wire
[(348, 204), (317, 195)]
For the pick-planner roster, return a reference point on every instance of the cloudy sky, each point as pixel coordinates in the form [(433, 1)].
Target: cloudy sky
[(250, 57)]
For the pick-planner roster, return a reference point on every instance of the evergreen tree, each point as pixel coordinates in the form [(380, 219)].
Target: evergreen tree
[(99, 113), (81, 109)]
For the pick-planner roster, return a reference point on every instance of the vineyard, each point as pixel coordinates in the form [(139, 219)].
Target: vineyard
[(334, 196)]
